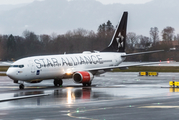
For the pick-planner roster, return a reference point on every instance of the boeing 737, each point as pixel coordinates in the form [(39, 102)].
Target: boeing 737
[(80, 67)]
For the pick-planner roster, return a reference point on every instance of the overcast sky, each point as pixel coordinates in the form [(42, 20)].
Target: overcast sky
[(103, 1), (124, 1)]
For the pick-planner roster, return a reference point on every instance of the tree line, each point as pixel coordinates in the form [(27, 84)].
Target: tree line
[(79, 40)]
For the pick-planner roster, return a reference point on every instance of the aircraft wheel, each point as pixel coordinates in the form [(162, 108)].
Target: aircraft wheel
[(21, 86), (58, 82), (87, 84), (55, 82)]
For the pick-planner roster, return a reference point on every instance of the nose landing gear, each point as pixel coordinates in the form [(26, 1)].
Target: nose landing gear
[(21, 84)]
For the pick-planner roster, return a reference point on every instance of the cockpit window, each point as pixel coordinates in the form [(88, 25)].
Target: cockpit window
[(19, 66)]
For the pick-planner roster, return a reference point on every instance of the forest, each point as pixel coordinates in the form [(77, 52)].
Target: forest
[(79, 40)]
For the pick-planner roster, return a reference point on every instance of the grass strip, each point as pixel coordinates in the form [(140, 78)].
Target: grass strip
[(4, 68), (3, 74), (150, 68)]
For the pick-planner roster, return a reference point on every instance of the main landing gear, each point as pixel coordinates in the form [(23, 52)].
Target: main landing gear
[(21, 86), (87, 84), (58, 82)]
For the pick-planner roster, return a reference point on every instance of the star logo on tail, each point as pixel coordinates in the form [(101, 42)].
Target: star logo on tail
[(120, 40)]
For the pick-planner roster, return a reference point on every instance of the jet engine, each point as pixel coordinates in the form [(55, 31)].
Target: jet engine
[(83, 77)]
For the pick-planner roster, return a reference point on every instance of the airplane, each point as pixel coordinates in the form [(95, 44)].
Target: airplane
[(81, 67)]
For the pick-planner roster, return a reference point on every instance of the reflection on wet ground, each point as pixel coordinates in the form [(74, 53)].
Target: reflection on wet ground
[(110, 93), (174, 89), (67, 96)]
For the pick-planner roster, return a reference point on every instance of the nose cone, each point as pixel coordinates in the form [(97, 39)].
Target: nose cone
[(8, 72), (11, 73)]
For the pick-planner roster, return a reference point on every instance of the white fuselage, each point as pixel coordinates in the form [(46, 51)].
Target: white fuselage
[(58, 66)]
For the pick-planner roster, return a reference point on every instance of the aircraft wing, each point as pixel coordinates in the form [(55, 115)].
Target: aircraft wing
[(141, 64), (139, 53), (123, 66)]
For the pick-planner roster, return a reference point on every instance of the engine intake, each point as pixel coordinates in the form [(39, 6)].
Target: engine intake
[(83, 77)]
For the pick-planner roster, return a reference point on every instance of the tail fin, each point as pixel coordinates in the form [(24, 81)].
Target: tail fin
[(119, 38)]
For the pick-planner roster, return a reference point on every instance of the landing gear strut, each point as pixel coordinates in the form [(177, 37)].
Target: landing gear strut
[(21, 86), (87, 84), (57, 82)]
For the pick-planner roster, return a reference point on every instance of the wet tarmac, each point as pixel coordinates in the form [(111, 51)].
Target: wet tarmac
[(112, 96)]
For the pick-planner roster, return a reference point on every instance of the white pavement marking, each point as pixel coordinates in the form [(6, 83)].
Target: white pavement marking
[(166, 107), (23, 97)]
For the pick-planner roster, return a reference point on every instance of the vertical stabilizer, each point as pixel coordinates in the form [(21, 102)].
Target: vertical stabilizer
[(119, 38)]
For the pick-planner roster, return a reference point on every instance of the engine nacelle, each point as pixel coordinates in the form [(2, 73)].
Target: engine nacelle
[(83, 77)]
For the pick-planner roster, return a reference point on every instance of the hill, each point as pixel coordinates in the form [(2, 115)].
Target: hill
[(59, 16)]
